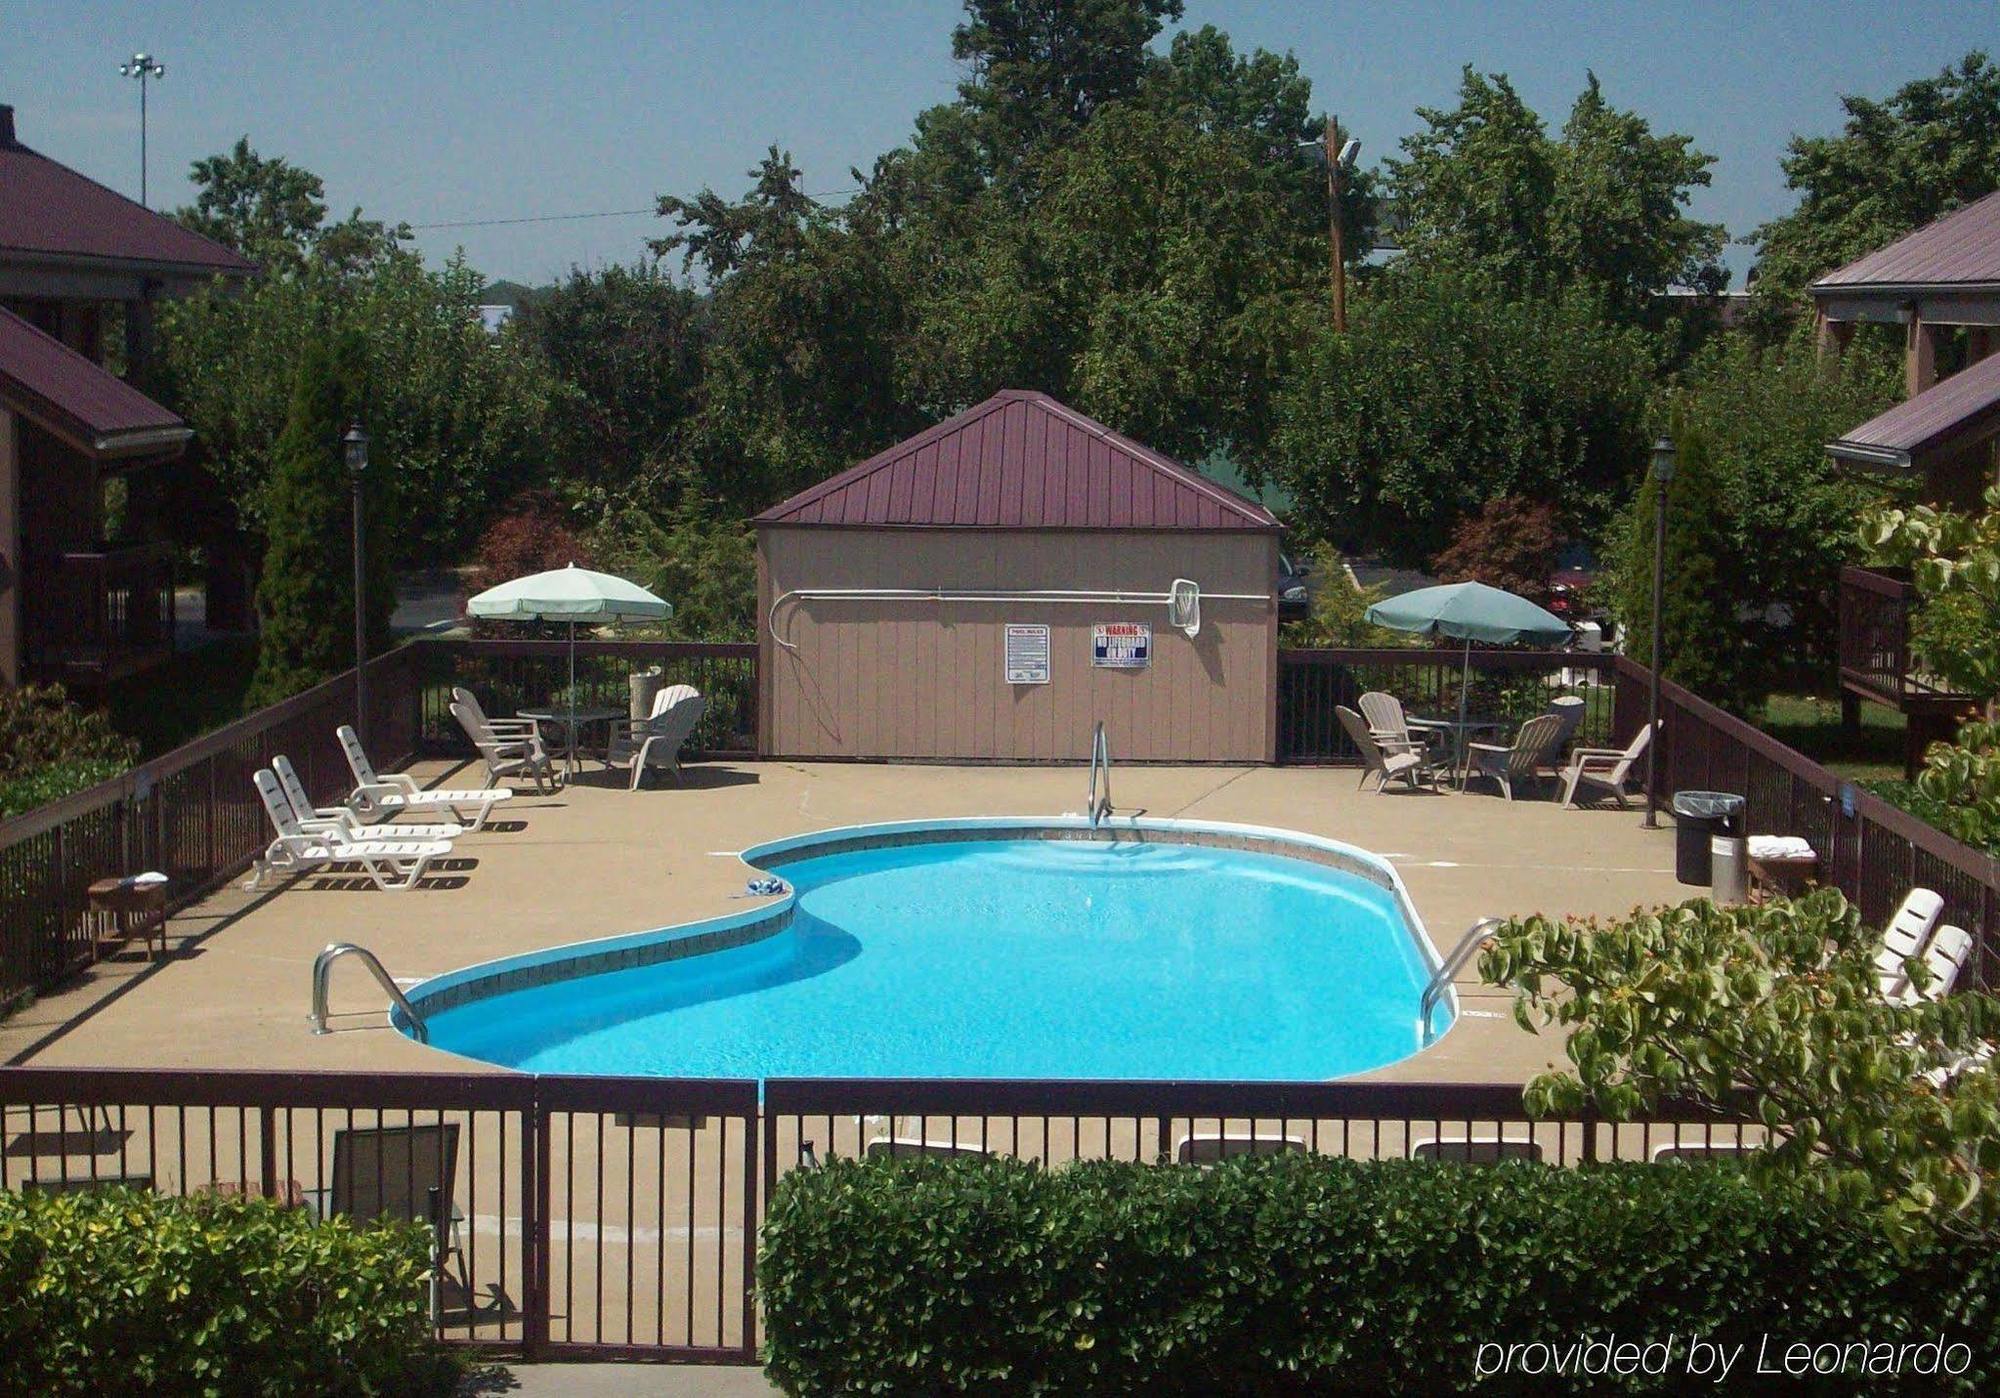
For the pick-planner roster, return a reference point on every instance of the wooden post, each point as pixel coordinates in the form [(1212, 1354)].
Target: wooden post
[(1339, 273)]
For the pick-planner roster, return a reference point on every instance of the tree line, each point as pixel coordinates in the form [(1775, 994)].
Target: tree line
[(1137, 227)]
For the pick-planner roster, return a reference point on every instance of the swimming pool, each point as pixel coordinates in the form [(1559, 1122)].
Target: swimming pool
[(1160, 950)]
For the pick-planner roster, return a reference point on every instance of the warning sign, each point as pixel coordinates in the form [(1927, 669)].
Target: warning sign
[(1121, 645), (1027, 654)]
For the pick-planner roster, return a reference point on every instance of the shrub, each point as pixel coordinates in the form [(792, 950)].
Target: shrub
[(531, 536), (1510, 543), (129, 1291), (1297, 1275), (1340, 604), (706, 568), (50, 747)]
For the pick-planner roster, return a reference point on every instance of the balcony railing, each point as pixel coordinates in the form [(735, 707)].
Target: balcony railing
[(1875, 654), (100, 615)]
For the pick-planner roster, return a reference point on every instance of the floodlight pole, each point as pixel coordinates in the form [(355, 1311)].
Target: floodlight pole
[(1663, 474), (354, 451), (143, 67)]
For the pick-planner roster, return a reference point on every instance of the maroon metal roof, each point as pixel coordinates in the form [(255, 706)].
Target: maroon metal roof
[(1942, 417), (1960, 249), (1021, 460), (49, 210), (88, 406)]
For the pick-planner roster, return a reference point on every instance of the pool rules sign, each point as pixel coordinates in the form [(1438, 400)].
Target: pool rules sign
[(1027, 654), (1121, 645)]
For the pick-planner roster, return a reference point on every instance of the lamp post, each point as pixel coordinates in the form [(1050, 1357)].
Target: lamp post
[(354, 450), (143, 67), (1663, 475)]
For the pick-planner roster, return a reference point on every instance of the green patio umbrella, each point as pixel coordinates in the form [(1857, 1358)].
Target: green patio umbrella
[(1470, 611), (570, 595)]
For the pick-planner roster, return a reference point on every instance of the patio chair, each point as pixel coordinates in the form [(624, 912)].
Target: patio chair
[(1701, 1152), (1945, 957), (1531, 748), (508, 752), (1390, 727), (1908, 933), (506, 727), (1209, 1147), (1476, 1150), (404, 1174), (919, 1147), (1609, 768), (1404, 764), (657, 741), (670, 696), (340, 821), (391, 793), (394, 865)]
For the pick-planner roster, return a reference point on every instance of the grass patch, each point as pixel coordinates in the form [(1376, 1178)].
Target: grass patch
[(1810, 724)]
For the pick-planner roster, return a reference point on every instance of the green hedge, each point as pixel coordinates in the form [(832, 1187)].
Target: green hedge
[(125, 1291), (1309, 1275)]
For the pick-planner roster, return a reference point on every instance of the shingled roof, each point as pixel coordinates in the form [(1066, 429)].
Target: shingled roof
[(50, 213), (89, 407), (1021, 460), (1961, 249)]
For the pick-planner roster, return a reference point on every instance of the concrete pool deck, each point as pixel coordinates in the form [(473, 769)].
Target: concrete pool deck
[(596, 860)]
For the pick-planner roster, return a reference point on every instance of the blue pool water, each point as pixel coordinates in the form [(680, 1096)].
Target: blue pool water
[(1003, 958)]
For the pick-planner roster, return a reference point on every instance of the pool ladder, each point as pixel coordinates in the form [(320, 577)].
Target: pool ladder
[(1098, 804), (323, 972), (1476, 936)]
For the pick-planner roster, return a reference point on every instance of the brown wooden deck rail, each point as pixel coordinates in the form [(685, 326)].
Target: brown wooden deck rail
[(618, 1218)]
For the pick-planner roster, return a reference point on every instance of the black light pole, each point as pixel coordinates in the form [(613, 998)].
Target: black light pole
[(1663, 475), (354, 447), (142, 67)]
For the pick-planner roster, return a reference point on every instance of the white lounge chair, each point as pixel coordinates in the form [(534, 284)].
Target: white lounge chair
[(1404, 764), (394, 865), (509, 753), (1518, 761), (913, 1147), (656, 741), (1609, 768), (341, 821), (1476, 1150), (1908, 933), (384, 795), (1945, 957)]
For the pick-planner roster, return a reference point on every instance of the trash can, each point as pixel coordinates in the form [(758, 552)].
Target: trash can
[(1699, 816), (1730, 882)]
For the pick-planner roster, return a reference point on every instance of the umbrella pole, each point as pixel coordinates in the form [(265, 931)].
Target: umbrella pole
[(1464, 682), (572, 696)]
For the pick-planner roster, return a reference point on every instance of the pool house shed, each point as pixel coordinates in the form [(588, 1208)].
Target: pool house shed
[(992, 588)]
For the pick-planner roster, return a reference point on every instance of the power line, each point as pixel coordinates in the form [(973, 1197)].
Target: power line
[(572, 218)]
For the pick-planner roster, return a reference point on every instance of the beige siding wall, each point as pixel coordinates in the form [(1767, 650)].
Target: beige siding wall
[(926, 680)]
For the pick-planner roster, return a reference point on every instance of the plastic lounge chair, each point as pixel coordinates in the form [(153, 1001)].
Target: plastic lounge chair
[(1476, 1150), (1208, 1147), (1390, 727), (394, 865), (1530, 749), (1404, 764), (1945, 957), (387, 794), (339, 820), (657, 741), (1609, 768), (506, 756), (1908, 933), (401, 1173), (1701, 1152), (915, 1147)]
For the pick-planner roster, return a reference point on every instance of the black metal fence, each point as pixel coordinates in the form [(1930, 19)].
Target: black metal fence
[(584, 1217)]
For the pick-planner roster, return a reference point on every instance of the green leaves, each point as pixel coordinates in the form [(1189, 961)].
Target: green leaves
[(1305, 1275), (1774, 1009)]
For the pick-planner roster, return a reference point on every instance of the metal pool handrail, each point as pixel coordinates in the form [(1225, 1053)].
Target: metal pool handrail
[(1475, 937), (323, 972), (1098, 805)]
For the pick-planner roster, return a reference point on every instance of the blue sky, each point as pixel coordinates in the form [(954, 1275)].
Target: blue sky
[(439, 112)]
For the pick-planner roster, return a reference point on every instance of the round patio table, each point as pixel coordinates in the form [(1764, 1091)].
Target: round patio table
[(1461, 730), (571, 724)]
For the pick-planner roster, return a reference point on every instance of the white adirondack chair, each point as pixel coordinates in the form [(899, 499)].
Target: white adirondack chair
[(1609, 768)]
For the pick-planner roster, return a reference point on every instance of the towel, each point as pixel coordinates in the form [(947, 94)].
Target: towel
[(1780, 847)]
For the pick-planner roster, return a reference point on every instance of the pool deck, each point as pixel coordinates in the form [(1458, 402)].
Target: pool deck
[(596, 860)]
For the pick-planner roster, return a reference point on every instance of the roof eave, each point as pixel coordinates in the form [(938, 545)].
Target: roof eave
[(145, 441), (134, 266), (1872, 457)]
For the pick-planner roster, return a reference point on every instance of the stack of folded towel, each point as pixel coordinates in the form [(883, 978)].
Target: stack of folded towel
[(1780, 847)]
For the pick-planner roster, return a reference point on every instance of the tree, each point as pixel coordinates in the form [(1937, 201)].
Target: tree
[(1482, 188), (1445, 395), (274, 212), (1776, 1008), (1511, 543), (1896, 165), (1954, 560), (305, 598), (1703, 646)]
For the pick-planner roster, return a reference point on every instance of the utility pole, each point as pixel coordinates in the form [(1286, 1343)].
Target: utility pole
[(1333, 153), (142, 67)]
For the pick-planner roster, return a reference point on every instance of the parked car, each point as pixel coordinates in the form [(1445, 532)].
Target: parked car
[(1571, 585), (1294, 593)]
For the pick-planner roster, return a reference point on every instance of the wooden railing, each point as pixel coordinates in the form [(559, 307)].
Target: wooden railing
[(1876, 658), (98, 615)]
